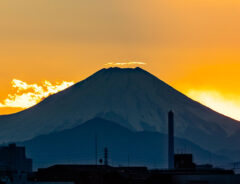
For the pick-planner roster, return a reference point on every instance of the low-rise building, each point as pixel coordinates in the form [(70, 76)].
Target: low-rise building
[(13, 158)]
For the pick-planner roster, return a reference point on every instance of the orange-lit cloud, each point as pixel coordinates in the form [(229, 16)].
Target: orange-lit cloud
[(127, 64), (227, 105), (27, 95)]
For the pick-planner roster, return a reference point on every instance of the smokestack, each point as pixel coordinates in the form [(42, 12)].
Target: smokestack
[(170, 140)]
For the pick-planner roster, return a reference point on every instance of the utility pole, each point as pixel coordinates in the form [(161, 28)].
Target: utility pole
[(96, 149), (106, 156)]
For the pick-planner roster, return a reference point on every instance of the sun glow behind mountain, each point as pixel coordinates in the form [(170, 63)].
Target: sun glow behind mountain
[(228, 105), (26, 95)]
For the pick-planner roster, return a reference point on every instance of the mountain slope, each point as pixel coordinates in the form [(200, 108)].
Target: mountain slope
[(131, 97), (77, 145)]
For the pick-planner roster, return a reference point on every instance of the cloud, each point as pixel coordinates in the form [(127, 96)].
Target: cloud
[(125, 64), (27, 95)]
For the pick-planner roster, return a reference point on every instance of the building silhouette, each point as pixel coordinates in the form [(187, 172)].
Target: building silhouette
[(184, 161), (13, 159)]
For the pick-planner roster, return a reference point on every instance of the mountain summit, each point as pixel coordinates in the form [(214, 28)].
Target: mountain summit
[(132, 98)]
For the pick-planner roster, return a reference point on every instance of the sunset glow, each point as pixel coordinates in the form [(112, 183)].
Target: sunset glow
[(227, 105), (27, 95), (187, 44)]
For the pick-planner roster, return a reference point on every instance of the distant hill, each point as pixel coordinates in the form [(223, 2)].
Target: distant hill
[(134, 99), (77, 145)]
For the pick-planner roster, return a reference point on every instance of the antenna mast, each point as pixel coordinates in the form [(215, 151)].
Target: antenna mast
[(96, 149)]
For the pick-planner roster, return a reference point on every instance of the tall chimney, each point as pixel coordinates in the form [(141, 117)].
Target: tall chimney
[(170, 140)]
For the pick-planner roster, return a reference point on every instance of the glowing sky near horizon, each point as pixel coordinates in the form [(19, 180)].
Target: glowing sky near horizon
[(192, 45), (229, 106)]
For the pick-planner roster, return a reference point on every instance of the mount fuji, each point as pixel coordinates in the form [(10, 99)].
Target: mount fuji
[(134, 99)]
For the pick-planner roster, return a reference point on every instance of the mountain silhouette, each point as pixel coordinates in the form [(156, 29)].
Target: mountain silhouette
[(133, 98), (77, 145)]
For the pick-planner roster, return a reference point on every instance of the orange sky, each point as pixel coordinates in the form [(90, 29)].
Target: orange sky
[(194, 45)]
